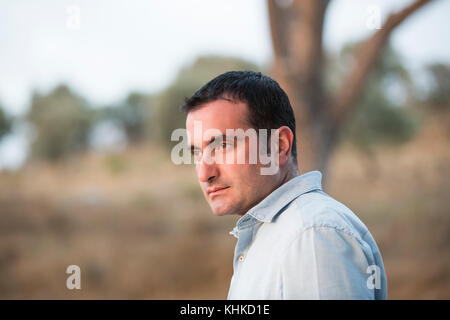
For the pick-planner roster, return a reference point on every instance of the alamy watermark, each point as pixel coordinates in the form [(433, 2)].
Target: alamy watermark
[(73, 21), (215, 147), (74, 280), (373, 17), (374, 280)]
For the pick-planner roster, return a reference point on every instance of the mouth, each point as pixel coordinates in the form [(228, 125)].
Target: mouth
[(216, 190)]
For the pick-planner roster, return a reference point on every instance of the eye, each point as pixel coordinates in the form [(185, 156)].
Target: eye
[(196, 154), (224, 146)]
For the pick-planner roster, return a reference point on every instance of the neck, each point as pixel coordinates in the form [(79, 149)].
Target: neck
[(290, 173)]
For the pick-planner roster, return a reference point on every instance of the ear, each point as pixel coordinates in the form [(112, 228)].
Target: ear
[(285, 141)]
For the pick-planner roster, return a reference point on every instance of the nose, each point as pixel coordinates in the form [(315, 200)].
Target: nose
[(207, 172)]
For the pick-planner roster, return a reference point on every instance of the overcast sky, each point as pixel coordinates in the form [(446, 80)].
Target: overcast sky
[(140, 45), (119, 46)]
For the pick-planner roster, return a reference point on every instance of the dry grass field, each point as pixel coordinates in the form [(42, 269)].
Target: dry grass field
[(139, 228)]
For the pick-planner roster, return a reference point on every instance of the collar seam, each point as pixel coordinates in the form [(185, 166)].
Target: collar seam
[(250, 224), (287, 203)]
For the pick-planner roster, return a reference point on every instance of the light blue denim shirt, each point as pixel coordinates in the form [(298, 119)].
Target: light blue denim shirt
[(299, 243)]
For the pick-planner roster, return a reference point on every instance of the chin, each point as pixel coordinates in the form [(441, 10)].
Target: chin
[(219, 210), (219, 213)]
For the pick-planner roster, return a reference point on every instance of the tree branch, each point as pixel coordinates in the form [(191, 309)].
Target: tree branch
[(370, 50), (296, 30), (278, 20)]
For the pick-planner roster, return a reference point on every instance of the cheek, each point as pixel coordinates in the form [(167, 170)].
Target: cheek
[(244, 177)]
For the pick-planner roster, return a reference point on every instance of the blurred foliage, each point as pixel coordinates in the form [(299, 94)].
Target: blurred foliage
[(377, 120), (5, 123), (439, 95), (382, 114), (61, 121), (190, 78), (133, 115)]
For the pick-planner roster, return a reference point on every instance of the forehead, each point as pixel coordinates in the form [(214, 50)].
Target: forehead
[(219, 114)]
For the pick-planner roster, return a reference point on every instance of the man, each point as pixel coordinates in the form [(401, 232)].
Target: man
[(294, 240)]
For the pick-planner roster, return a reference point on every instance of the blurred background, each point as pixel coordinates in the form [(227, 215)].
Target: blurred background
[(89, 95)]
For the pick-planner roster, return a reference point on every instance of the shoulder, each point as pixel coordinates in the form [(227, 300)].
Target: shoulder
[(317, 210)]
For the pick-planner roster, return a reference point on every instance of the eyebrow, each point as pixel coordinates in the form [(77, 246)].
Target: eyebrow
[(218, 138)]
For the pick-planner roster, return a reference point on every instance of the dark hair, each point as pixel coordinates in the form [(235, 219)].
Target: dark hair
[(268, 104)]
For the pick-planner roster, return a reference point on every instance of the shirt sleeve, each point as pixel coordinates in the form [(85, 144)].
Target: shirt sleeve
[(325, 263)]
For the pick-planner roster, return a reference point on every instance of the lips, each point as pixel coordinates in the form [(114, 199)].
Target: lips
[(215, 190)]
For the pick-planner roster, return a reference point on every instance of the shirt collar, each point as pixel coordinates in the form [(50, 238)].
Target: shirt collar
[(269, 207)]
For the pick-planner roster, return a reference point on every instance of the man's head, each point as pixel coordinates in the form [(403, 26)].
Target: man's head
[(240, 100)]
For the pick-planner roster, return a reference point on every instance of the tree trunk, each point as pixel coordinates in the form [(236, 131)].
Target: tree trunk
[(296, 30)]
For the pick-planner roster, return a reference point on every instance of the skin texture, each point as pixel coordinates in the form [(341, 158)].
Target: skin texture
[(244, 185)]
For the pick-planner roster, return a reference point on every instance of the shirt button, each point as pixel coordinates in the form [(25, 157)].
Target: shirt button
[(241, 258)]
